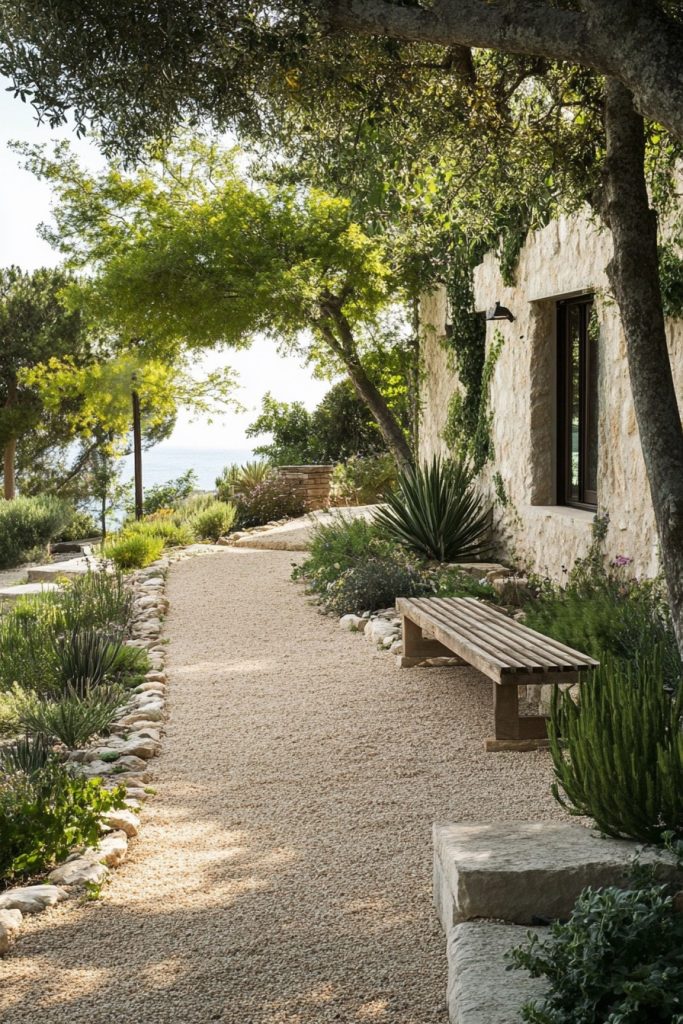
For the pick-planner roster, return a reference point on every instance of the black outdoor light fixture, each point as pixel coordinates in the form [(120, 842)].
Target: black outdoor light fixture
[(499, 312)]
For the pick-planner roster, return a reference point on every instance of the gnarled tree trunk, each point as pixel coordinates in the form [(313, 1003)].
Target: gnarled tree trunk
[(634, 275)]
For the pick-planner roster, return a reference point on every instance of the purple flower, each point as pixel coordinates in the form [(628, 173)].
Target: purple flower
[(621, 560)]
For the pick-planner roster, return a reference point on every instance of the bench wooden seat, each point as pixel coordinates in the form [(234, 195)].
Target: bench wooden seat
[(499, 647)]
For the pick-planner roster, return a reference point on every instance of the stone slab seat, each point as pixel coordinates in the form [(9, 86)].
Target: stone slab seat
[(502, 649), (527, 872)]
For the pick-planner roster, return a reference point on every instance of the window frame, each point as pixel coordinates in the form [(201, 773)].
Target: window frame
[(587, 499)]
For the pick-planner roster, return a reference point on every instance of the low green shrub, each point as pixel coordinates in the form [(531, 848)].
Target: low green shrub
[(171, 532), (214, 521), (274, 498), (337, 546), (353, 566), (363, 479), (11, 703), (81, 525), (44, 814), (133, 550), (374, 583), (128, 664), (27, 754), (436, 512), (27, 525), (618, 960), (618, 751), (75, 716)]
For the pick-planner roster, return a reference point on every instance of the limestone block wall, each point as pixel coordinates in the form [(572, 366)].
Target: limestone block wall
[(313, 482), (568, 257)]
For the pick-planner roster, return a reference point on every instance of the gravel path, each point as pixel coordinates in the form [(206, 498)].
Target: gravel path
[(283, 874)]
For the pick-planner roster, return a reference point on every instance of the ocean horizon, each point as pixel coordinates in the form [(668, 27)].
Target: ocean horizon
[(167, 462)]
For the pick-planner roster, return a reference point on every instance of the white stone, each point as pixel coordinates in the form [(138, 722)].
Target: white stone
[(111, 850), (70, 570), (80, 871), (137, 793), (123, 820), (153, 582), (377, 629), (31, 899), (10, 923), (480, 988), (523, 871), (396, 647), (351, 622)]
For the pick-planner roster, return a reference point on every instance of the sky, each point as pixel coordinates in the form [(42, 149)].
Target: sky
[(25, 203)]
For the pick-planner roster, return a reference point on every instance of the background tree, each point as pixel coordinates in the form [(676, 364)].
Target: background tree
[(34, 325), (187, 254)]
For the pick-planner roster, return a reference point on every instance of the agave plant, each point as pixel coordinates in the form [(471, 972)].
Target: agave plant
[(437, 512), (86, 658), (75, 717), (28, 754)]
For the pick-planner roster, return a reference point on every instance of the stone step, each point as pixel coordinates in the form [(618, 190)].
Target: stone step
[(11, 594), (480, 989), (70, 570), (523, 872)]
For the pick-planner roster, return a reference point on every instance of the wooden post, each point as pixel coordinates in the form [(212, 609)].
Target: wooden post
[(137, 454)]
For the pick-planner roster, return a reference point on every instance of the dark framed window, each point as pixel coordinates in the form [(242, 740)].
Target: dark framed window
[(577, 376)]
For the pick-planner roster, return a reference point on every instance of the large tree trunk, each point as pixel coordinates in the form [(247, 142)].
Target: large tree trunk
[(386, 421), (337, 332), (8, 469), (634, 274)]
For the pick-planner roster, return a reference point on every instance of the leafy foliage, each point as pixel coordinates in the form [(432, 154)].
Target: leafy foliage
[(81, 524), (339, 427), (362, 479), (374, 583), (215, 521), (45, 813), (86, 658), (618, 960), (437, 512), (604, 613), (133, 550), (26, 754), (468, 425), (618, 752), (96, 600), (171, 529), (27, 525)]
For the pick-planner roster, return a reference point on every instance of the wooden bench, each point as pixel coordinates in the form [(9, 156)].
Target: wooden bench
[(501, 648)]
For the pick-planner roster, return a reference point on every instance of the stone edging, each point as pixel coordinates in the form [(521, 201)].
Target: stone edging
[(122, 758)]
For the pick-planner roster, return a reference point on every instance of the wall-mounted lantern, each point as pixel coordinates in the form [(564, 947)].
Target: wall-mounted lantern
[(499, 312)]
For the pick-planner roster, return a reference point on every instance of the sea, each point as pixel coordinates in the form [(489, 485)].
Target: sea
[(166, 462)]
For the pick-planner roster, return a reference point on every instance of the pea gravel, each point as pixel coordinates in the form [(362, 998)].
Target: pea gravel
[(283, 872)]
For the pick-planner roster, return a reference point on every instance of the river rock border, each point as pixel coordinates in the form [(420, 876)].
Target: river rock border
[(123, 758)]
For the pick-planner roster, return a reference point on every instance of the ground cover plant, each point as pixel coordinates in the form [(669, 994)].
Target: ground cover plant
[(46, 810), (618, 960), (133, 550), (436, 512)]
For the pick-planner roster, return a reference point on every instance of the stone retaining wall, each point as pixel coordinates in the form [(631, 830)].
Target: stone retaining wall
[(313, 482)]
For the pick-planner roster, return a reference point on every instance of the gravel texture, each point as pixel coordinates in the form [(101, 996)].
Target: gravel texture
[(283, 872)]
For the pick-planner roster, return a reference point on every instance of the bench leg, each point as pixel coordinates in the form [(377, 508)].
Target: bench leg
[(511, 731), (416, 646)]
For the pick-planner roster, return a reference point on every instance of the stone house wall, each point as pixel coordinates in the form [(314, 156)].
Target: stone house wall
[(566, 258)]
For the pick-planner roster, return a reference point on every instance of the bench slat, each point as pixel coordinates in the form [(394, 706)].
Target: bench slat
[(532, 655), (475, 655), (565, 655), (465, 626)]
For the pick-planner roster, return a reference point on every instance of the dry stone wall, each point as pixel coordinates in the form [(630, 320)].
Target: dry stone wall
[(568, 257)]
